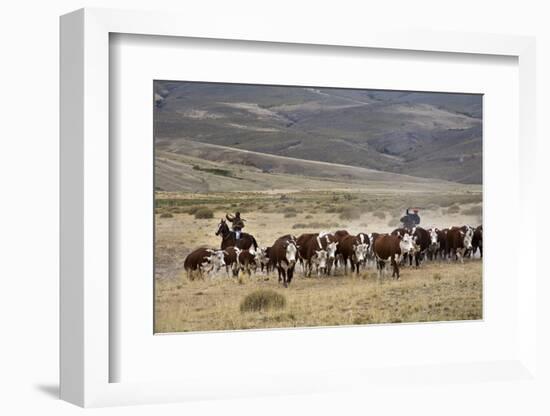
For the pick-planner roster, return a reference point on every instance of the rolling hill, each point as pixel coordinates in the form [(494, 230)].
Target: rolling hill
[(429, 135)]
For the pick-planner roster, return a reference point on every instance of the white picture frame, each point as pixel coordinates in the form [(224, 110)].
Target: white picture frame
[(85, 211)]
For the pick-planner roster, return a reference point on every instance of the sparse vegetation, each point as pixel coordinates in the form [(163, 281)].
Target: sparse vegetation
[(339, 300), (350, 213), (166, 215), (290, 214), (474, 210), (453, 209), (204, 213), (379, 214)]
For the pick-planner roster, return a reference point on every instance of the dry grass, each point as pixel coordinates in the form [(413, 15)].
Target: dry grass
[(435, 292)]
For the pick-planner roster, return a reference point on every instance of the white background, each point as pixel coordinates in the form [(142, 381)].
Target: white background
[(138, 60), (29, 209)]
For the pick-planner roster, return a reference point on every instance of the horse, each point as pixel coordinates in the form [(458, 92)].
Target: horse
[(228, 238)]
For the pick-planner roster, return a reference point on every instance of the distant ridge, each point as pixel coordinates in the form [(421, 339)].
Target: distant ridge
[(430, 135)]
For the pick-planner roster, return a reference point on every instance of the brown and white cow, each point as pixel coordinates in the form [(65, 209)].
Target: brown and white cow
[(354, 249), (391, 247), (204, 260), (405, 256), (433, 248), (459, 241), (367, 239), (246, 260), (262, 259), (283, 255), (312, 253), (330, 243)]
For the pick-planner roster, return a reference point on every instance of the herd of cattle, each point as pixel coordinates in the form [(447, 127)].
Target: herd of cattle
[(325, 251)]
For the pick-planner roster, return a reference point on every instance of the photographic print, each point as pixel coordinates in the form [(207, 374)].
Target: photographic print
[(292, 206)]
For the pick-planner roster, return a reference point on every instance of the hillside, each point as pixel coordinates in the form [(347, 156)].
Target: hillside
[(187, 166), (431, 135)]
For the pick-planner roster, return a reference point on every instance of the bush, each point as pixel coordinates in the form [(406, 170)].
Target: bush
[(262, 300), (453, 209), (290, 214), (379, 214), (204, 213), (350, 213), (166, 215)]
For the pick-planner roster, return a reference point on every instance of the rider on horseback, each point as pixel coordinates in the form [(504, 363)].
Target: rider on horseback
[(410, 219), (238, 223)]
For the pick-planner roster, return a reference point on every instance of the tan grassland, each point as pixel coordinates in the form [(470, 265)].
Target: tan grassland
[(437, 291)]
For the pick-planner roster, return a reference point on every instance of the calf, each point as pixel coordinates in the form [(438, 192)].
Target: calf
[(459, 242), (391, 247), (353, 249), (330, 243), (262, 258), (247, 261), (433, 248), (283, 255), (203, 260), (312, 253), (400, 232), (366, 239)]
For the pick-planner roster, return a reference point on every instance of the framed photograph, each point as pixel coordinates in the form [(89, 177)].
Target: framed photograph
[(281, 213)]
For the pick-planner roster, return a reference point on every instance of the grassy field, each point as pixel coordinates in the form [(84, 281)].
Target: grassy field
[(434, 292)]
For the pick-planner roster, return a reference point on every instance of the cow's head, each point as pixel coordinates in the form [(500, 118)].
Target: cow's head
[(321, 257), (360, 251), (406, 244), (331, 249), (291, 251)]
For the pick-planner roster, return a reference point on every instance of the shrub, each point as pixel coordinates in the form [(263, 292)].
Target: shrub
[(453, 209), (166, 215), (262, 300), (350, 213), (379, 214), (290, 214), (308, 217), (204, 213)]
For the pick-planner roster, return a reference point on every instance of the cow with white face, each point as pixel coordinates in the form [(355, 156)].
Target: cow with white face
[(214, 262), (262, 259), (407, 245), (283, 255), (204, 260), (434, 246), (352, 249), (320, 260), (330, 243), (459, 242)]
